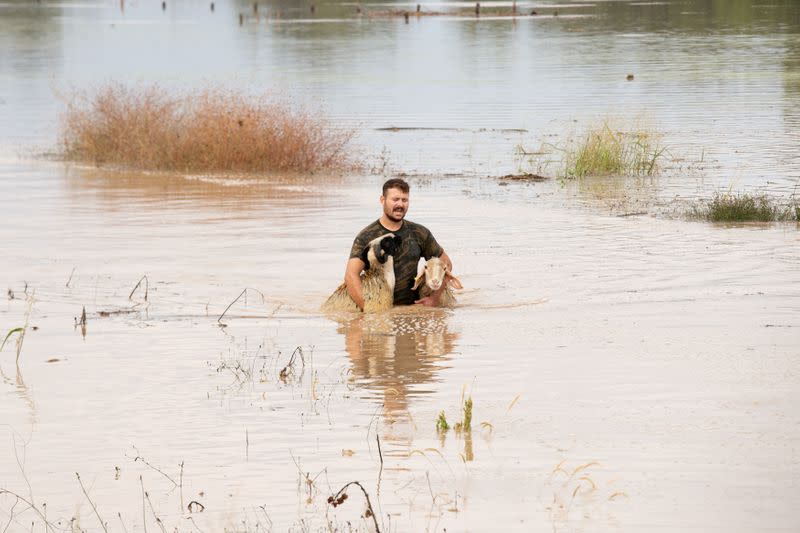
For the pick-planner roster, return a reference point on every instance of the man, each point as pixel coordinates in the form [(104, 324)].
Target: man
[(417, 241)]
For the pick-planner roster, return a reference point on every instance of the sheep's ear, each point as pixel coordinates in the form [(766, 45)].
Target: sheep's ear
[(452, 280), (418, 280)]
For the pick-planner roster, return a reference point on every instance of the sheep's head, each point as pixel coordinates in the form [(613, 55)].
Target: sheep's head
[(435, 274), (380, 249)]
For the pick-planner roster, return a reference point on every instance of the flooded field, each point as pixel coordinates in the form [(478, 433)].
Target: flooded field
[(629, 370)]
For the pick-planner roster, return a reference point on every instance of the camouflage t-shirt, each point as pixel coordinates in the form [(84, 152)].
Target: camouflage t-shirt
[(417, 241)]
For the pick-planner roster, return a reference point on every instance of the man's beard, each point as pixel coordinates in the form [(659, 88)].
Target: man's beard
[(396, 216)]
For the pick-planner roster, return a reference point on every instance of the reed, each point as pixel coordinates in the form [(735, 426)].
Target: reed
[(605, 150), (149, 128)]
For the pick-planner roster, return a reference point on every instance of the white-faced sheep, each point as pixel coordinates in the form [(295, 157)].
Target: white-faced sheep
[(377, 283), (433, 276)]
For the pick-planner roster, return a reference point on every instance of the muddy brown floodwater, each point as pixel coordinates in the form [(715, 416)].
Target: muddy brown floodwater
[(628, 372)]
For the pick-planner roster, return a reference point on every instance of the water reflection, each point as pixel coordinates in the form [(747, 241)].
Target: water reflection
[(239, 192), (397, 352), (23, 392), (398, 355)]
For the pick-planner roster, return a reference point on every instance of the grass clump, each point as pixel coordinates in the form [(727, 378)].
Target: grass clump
[(441, 423), (744, 207), (207, 130), (465, 424), (605, 151)]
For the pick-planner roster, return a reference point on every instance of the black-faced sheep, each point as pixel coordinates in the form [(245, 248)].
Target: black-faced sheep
[(431, 279), (377, 283)]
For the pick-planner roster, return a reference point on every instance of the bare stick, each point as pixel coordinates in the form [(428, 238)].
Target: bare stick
[(142, 459), (124, 527), (380, 454), (288, 368), (144, 518), (337, 500), (158, 520), (194, 523), (11, 515), (243, 293), (91, 502), (48, 525), (180, 485), (70, 277), (146, 287)]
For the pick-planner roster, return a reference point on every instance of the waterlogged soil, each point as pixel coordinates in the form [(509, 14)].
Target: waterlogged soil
[(626, 373)]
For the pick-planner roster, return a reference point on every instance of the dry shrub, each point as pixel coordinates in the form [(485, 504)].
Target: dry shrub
[(206, 130)]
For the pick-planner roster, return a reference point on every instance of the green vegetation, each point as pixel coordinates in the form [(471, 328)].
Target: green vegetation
[(15, 330), (441, 423), (207, 130), (465, 424), (744, 207), (605, 151)]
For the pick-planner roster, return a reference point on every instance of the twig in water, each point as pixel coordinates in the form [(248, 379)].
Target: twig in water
[(47, 525), (70, 277), (341, 496), (191, 518), (380, 454), (11, 515), (144, 517), (243, 293), (94, 507), (121, 521), (142, 459), (180, 485), (158, 520), (146, 287), (288, 368), (198, 507)]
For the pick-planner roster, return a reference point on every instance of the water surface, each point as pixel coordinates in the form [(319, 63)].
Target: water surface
[(628, 373)]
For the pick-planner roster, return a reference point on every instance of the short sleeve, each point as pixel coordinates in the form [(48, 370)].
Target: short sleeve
[(362, 240), (358, 246), (430, 248)]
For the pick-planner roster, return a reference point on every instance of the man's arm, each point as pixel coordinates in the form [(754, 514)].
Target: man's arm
[(352, 278), (433, 299)]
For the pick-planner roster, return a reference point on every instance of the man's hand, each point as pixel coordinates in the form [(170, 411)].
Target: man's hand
[(433, 299), (428, 301)]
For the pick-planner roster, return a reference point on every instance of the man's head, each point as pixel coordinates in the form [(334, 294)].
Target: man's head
[(395, 199)]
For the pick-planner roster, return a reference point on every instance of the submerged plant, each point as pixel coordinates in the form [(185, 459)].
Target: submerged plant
[(20, 331), (441, 423), (465, 424), (607, 151), (21, 336), (744, 207)]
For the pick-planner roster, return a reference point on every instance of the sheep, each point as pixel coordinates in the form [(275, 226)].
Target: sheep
[(377, 282), (434, 274)]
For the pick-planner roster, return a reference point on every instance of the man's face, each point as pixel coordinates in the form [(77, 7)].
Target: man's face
[(395, 204)]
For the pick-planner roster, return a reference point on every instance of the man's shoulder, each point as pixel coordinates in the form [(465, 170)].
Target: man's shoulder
[(372, 230), (417, 229)]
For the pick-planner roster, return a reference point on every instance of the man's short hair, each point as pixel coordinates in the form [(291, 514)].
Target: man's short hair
[(395, 183)]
